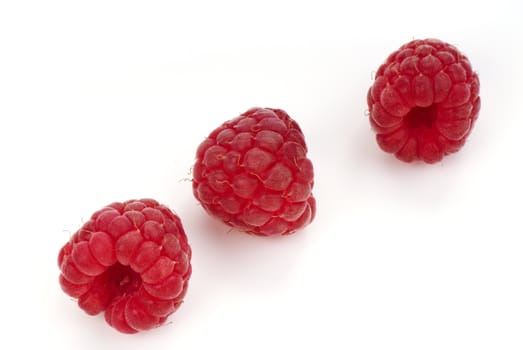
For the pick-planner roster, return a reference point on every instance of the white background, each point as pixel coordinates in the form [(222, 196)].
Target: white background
[(104, 101)]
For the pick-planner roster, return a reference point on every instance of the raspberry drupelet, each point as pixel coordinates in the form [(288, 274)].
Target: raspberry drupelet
[(424, 101), (130, 260), (253, 173)]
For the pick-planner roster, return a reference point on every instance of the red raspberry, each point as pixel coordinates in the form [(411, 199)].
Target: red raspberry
[(424, 101), (131, 260), (252, 172)]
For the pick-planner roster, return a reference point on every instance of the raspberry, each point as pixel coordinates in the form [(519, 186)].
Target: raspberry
[(424, 101), (131, 260), (252, 173)]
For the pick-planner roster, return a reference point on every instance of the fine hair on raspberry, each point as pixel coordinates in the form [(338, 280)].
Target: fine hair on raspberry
[(131, 261), (252, 172), (424, 101)]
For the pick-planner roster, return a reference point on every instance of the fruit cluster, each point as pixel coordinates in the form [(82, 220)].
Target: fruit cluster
[(132, 260)]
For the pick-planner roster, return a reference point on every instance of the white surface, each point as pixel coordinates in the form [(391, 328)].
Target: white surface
[(103, 101)]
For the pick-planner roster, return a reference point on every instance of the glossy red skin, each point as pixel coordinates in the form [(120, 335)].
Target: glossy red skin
[(130, 260), (253, 173), (424, 101)]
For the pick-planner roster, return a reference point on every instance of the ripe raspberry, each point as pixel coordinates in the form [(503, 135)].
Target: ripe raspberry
[(252, 172), (424, 101), (131, 260)]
